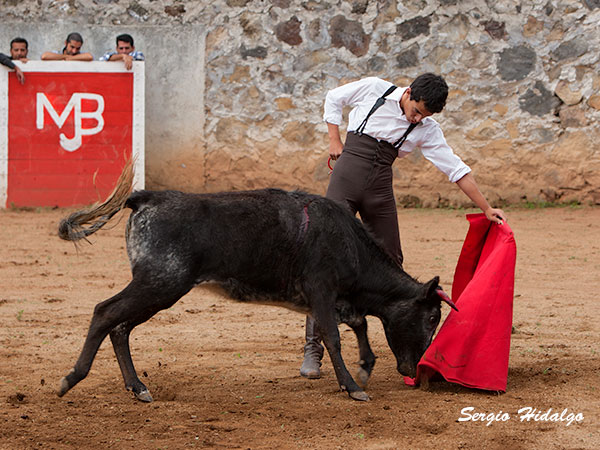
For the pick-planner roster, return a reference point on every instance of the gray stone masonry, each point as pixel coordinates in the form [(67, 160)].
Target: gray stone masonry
[(235, 88)]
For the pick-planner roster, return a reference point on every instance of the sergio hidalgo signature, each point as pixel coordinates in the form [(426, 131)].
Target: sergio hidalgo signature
[(526, 414)]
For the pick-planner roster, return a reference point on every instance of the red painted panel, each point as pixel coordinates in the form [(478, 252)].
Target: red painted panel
[(70, 197), (94, 114), (73, 167)]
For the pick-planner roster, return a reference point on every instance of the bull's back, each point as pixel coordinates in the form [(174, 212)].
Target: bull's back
[(250, 236)]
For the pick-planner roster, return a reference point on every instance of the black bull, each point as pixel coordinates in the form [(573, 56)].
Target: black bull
[(293, 249)]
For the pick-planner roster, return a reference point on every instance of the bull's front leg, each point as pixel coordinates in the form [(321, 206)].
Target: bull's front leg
[(323, 311), (366, 355)]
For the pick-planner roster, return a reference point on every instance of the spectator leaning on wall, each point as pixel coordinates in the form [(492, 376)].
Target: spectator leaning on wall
[(71, 51), (125, 52), (18, 52)]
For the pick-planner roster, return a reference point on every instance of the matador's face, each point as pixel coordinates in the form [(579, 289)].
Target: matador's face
[(414, 111)]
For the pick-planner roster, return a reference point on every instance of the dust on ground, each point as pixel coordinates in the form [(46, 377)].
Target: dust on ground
[(225, 374)]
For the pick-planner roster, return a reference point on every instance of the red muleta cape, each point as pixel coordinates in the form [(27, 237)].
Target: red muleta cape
[(473, 345)]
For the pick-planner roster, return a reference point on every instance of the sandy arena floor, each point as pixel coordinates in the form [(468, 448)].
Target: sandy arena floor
[(226, 375)]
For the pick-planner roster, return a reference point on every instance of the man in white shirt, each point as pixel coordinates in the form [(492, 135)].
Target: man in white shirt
[(70, 52), (385, 123)]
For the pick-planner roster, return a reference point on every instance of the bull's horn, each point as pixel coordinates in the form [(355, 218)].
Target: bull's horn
[(446, 298)]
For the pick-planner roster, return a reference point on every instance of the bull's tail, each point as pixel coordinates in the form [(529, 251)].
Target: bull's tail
[(96, 216)]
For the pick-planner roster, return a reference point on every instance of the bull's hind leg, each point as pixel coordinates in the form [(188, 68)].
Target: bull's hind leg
[(366, 355), (133, 305), (119, 337), (103, 321), (148, 304)]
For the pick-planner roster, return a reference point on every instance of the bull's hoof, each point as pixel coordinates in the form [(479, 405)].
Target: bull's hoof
[(363, 377), (144, 396), (64, 387), (359, 395)]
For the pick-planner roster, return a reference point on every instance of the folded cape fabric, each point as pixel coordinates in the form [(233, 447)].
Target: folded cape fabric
[(473, 345)]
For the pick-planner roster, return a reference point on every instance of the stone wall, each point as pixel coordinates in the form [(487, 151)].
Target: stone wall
[(238, 99)]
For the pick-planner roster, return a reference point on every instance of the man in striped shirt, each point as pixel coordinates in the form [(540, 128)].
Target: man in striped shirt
[(125, 52)]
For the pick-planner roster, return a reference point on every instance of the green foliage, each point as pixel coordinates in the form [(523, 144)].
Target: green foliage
[(528, 204)]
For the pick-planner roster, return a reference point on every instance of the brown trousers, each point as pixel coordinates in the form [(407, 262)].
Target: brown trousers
[(362, 179)]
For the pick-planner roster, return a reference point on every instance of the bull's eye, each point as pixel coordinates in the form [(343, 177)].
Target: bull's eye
[(431, 320)]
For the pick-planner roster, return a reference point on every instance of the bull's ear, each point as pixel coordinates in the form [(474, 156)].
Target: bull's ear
[(431, 286)]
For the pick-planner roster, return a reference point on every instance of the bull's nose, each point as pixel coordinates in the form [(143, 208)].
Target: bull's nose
[(408, 370)]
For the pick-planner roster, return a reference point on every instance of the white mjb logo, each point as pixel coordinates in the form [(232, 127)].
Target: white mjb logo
[(74, 104)]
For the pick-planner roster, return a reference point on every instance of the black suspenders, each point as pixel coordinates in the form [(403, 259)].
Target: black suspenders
[(400, 141), (380, 101)]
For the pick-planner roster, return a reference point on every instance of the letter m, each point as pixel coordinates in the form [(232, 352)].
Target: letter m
[(43, 102)]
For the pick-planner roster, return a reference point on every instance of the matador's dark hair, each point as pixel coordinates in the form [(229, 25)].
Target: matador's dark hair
[(432, 89)]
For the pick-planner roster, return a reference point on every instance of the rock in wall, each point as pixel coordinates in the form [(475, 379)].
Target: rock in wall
[(524, 85)]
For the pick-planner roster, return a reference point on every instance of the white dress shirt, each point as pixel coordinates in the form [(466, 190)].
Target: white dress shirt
[(389, 123)]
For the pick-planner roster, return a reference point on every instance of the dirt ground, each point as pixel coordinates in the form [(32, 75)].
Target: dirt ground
[(226, 375)]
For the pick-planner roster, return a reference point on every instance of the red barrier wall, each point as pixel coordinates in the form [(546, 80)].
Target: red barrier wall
[(67, 132)]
